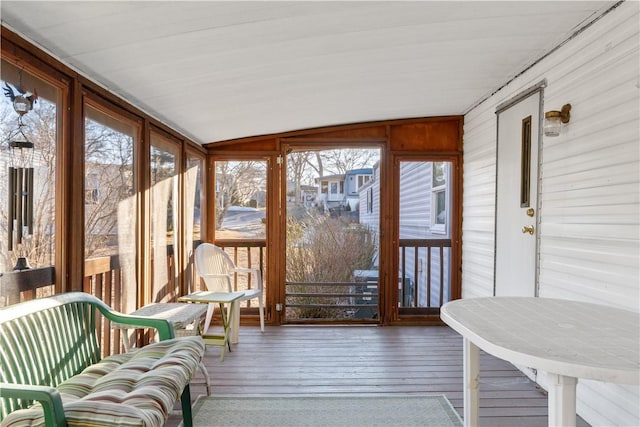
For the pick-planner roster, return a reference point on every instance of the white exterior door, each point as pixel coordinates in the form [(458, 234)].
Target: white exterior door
[(516, 204)]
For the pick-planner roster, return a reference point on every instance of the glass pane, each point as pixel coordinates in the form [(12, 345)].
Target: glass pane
[(164, 219), (332, 235), (193, 221), (441, 207), (194, 198), (241, 198), (425, 247), (240, 217), (439, 174), (30, 234), (110, 203)]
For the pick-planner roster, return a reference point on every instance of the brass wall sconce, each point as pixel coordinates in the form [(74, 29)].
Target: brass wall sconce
[(553, 120)]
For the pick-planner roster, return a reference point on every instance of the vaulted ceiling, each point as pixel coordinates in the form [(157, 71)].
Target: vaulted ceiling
[(218, 70)]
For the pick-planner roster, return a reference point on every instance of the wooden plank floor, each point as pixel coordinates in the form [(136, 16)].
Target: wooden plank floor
[(369, 359)]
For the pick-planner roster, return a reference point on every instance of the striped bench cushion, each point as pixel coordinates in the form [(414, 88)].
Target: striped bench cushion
[(138, 388)]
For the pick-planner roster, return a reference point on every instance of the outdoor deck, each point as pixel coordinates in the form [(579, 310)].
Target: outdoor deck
[(369, 359)]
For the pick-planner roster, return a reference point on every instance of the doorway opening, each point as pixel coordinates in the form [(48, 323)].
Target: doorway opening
[(332, 223)]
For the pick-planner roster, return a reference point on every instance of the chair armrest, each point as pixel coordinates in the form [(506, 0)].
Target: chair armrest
[(48, 397), (245, 270), (214, 276), (164, 327), (254, 271)]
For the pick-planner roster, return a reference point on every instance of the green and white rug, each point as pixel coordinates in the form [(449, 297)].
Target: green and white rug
[(325, 411)]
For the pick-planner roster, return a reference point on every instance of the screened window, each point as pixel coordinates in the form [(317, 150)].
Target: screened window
[(29, 230), (165, 251), (194, 203), (110, 204), (439, 197)]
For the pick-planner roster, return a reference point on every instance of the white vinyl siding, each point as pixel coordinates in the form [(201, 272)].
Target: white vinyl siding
[(415, 200), (589, 217), (478, 202), (369, 212), (416, 222)]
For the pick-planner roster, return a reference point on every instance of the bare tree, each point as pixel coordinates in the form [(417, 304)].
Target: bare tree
[(343, 160), (109, 165), (236, 183), (39, 128), (108, 180), (298, 163), (309, 164)]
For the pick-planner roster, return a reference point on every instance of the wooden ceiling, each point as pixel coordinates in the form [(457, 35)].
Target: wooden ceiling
[(232, 69)]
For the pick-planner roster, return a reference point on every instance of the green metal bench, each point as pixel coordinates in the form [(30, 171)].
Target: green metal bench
[(52, 373)]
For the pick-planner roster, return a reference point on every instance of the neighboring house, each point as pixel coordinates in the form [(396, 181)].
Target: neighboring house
[(330, 191), (588, 188), (424, 213), (342, 190), (308, 194), (369, 195), (353, 181)]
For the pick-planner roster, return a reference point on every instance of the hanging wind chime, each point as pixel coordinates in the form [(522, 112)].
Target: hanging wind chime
[(20, 177)]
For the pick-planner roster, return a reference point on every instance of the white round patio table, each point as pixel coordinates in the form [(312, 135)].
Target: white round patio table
[(567, 339)]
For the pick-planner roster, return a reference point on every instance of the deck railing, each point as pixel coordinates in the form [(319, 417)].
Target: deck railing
[(246, 253), (104, 279), (322, 301), (423, 275), (417, 270), (17, 286)]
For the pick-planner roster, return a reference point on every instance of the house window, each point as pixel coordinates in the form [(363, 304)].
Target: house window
[(363, 179), (439, 197), (91, 189)]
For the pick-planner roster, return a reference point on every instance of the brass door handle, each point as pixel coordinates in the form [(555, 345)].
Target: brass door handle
[(528, 229)]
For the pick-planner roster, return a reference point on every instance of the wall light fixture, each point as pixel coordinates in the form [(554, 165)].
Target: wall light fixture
[(553, 120)]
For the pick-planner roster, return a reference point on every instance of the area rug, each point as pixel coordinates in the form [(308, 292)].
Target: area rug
[(325, 411)]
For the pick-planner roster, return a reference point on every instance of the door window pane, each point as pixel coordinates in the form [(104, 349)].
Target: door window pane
[(439, 213)]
